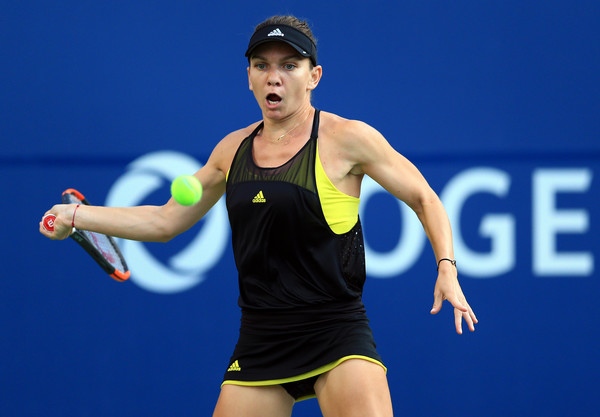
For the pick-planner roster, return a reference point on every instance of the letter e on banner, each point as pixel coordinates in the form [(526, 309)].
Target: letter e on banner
[(548, 222)]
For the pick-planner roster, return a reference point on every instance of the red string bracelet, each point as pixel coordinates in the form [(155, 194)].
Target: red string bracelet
[(74, 211)]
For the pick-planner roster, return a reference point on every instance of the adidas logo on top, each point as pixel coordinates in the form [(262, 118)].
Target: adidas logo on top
[(235, 366), (259, 198), (276, 32)]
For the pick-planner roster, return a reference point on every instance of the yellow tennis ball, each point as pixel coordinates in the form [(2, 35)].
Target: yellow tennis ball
[(186, 190)]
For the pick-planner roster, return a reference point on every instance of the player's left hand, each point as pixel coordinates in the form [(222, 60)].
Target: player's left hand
[(448, 288)]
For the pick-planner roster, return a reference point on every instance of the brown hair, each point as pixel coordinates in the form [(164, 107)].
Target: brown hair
[(301, 25)]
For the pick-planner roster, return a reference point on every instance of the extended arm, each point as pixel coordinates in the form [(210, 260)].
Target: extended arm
[(150, 223), (375, 157)]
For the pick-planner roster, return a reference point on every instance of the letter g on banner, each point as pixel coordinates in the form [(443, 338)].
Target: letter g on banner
[(187, 268)]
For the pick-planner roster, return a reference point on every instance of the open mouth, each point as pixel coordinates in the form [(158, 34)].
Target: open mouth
[(273, 98)]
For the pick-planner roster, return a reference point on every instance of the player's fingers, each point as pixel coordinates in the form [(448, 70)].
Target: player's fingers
[(45, 232), (468, 316), (437, 302), (469, 313), (472, 315), (457, 304), (458, 315), (469, 320), (49, 228)]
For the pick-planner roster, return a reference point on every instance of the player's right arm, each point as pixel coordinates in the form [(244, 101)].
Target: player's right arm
[(151, 223)]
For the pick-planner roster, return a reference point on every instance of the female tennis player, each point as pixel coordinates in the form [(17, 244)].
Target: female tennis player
[(293, 185)]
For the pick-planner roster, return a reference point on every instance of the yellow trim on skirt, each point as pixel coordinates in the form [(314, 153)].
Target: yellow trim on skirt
[(320, 370)]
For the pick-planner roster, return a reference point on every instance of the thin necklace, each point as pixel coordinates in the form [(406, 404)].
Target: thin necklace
[(292, 129)]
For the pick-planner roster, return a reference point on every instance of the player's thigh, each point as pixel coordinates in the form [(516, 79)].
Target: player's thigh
[(241, 401), (356, 387)]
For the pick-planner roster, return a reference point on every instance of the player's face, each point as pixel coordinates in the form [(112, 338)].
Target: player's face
[(281, 79)]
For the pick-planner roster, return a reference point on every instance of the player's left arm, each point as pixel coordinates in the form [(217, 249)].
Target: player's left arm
[(371, 154)]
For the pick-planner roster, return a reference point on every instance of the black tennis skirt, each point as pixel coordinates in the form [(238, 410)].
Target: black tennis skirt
[(278, 348)]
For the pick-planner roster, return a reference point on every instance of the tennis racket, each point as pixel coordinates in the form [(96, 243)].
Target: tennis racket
[(102, 248)]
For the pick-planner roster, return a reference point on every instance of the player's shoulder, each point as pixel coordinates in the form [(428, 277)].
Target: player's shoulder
[(223, 153), (340, 129), (236, 137)]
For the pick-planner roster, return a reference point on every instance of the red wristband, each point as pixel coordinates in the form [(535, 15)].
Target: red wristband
[(74, 211)]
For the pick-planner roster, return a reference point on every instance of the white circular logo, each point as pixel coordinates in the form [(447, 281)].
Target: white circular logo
[(187, 268)]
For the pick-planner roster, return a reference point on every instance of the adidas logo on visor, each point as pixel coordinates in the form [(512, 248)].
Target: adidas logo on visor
[(276, 32)]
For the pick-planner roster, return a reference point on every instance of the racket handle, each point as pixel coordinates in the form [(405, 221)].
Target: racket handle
[(48, 222)]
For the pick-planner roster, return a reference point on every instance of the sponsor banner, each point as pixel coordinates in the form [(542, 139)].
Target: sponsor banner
[(503, 222)]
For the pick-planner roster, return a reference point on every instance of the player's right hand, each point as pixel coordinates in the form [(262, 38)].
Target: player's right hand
[(63, 214)]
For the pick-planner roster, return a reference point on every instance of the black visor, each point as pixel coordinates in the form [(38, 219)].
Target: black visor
[(287, 34)]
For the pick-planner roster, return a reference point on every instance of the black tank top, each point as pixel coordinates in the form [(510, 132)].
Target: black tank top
[(285, 252)]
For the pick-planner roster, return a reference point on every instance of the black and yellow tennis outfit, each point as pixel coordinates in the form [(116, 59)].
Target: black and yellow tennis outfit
[(300, 282)]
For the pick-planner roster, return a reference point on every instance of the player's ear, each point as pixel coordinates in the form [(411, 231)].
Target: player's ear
[(249, 82), (315, 76)]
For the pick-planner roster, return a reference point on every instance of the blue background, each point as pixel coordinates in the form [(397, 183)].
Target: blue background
[(88, 87)]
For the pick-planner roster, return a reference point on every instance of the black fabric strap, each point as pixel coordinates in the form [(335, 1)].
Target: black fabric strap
[(452, 261)]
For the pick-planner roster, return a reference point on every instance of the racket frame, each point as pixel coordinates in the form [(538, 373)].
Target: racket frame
[(89, 246)]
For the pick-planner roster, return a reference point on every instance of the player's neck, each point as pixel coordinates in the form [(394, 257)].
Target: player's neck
[(285, 130)]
